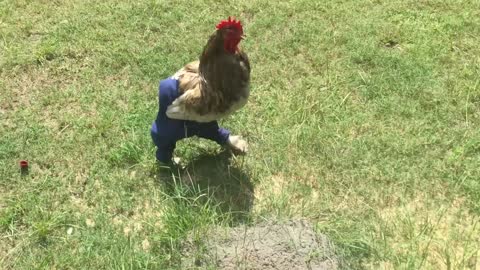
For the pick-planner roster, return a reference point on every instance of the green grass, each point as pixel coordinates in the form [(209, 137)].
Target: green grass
[(363, 118)]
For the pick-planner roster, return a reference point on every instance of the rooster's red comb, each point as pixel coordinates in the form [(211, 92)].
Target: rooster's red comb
[(232, 23)]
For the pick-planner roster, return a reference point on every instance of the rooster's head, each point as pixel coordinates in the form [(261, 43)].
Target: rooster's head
[(232, 33)]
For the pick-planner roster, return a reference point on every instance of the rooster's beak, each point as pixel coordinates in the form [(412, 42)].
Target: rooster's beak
[(243, 37)]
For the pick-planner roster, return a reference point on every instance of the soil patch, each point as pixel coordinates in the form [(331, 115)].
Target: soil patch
[(292, 245)]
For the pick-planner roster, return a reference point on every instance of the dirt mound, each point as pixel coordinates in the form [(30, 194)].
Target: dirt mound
[(292, 245)]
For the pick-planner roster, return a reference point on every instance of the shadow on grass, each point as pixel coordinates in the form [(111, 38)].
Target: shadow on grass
[(214, 175)]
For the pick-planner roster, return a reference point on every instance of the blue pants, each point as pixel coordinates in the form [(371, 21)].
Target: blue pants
[(166, 144), (166, 132)]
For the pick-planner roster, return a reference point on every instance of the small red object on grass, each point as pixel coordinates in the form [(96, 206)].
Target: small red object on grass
[(24, 166)]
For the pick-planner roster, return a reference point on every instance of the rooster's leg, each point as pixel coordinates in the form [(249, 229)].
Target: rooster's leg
[(237, 144), (164, 149), (222, 136)]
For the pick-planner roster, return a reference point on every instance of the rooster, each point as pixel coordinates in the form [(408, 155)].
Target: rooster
[(204, 91)]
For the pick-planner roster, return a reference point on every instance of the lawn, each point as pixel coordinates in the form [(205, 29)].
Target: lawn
[(363, 118)]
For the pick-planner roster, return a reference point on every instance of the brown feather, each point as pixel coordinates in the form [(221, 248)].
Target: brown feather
[(218, 84)]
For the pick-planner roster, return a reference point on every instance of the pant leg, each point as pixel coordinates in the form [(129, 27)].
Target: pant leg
[(165, 148), (212, 131), (164, 154)]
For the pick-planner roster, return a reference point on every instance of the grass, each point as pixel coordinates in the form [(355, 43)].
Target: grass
[(363, 118)]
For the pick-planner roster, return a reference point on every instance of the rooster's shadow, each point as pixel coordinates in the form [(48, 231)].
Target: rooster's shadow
[(214, 174)]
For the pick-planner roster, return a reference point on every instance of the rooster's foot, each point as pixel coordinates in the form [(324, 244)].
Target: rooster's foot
[(237, 144)]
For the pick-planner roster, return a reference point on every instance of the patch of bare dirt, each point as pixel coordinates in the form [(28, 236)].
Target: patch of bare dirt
[(292, 245)]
